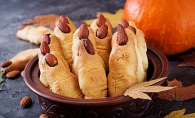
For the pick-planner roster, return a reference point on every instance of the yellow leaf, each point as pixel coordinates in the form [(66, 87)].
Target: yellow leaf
[(137, 94), (180, 114), (136, 91), (88, 22), (147, 83), (115, 19), (189, 116), (176, 114), (152, 89)]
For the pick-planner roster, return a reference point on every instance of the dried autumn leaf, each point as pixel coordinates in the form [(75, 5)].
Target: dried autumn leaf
[(137, 90), (43, 20), (189, 60), (148, 83), (179, 93), (137, 94), (176, 114), (188, 116), (180, 114), (115, 19)]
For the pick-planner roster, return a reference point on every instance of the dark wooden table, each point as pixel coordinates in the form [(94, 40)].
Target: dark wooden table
[(13, 13)]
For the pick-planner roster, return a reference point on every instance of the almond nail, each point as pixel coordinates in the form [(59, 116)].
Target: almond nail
[(121, 36), (63, 27), (6, 63), (63, 19), (46, 38), (83, 31), (124, 23), (51, 60), (21, 27), (44, 48), (89, 46), (100, 20), (102, 31)]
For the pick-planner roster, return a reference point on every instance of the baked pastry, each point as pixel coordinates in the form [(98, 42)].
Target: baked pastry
[(103, 32), (19, 61), (32, 34), (141, 50), (141, 45), (54, 70), (64, 30), (123, 62), (87, 64)]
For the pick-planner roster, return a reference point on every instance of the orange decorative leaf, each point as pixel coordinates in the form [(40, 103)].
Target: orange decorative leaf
[(189, 60), (43, 20), (179, 93)]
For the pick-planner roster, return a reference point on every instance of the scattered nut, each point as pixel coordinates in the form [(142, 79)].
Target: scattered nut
[(100, 20), (83, 31), (43, 116), (44, 48), (89, 46), (12, 74), (102, 31), (25, 101), (124, 23), (6, 63), (51, 60), (122, 36)]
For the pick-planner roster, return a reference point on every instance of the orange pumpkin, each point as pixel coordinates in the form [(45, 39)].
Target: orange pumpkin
[(168, 25)]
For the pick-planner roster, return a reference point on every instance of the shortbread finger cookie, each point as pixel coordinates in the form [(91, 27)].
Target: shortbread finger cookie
[(50, 43), (103, 32), (122, 62), (19, 61), (85, 32), (87, 65), (142, 45), (32, 34), (53, 71), (64, 30), (141, 50)]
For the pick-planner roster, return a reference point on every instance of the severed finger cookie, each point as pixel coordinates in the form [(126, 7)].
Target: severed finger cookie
[(64, 30), (141, 49), (54, 70), (32, 33), (123, 62), (87, 64), (18, 62), (103, 33), (141, 45)]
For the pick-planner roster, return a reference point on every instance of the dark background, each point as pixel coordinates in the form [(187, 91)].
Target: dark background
[(13, 13)]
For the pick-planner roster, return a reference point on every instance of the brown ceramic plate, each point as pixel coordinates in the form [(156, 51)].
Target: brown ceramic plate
[(57, 106)]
